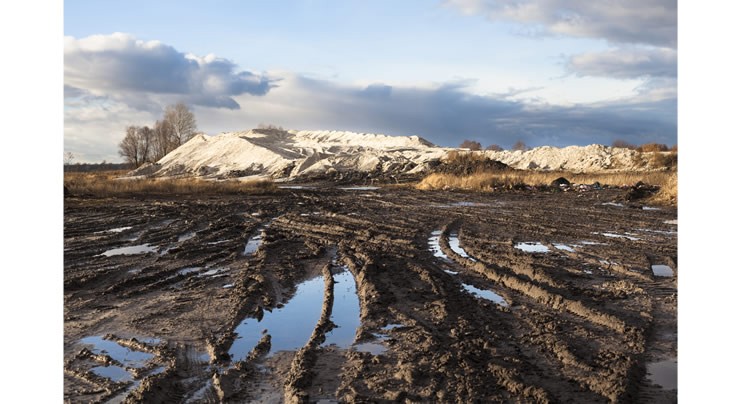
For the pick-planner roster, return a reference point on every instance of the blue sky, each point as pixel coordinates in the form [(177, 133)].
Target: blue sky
[(557, 72)]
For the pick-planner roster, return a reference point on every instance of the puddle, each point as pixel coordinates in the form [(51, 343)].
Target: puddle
[(674, 221), (613, 204), (115, 230), (672, 232), (662, 270), (451, 272), (295, 187), (434, 246), (131, 250), (664, 373), (188, 270), (124, 355), (290, 326), (614, 235), (217, 242), (586, 242), (359, 188), (485, 294), (115, 373), (588, 271), (532, 247), (228, 286), (345, 312), (455, 246), (185, 237), (377, 347), (214, 272), (564, 247), (253, 244), (649, 208)]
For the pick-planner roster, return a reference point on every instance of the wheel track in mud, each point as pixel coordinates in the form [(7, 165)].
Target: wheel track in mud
[(452, 346)]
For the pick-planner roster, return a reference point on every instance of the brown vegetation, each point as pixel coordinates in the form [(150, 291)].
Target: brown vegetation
[(471, 144), (508, 179), (110, 183)]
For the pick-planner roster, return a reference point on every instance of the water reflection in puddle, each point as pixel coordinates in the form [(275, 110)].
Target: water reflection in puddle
[(295, 187), (664, 373), (345, 312), (115, 373), (613, 204), (131, 250), (185, 237), (377, 346), (662, 270), (115, 230), (564, 247), (122, 354), (289, 326), (485, 294), (615, 235), (434, 246), (455, 246), (253, 244), (532, 247)]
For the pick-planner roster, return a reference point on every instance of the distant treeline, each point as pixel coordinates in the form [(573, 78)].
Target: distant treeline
[(91, 167)]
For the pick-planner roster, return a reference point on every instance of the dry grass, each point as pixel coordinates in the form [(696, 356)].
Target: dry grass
[(107, 183), (489, 181)]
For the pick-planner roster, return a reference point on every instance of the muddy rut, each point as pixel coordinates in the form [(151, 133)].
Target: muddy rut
[(338, 295)]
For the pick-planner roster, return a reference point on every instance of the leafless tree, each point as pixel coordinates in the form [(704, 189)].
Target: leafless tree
[(129, 147), (68, 158), (181, 121), (145, 137), (162, 142), (519, 145), (471, 144)]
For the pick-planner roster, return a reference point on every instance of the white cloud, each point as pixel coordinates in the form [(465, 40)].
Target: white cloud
[(149, 74), (651, 22), (626, 63)]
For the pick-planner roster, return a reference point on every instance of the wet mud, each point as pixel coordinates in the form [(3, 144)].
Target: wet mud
[(520, 296)]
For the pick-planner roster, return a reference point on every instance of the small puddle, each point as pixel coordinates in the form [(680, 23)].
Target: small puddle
[(613, 204), (649, 208), (289, 326), (664, 373), (674, 221), (345, 312), (532, 247), (131, 250), (455, 246), (662, 270), (359, 188), (295, 187), (126, 356), (564, 247), (614, 235), (253, 244), (115, 373), (215, 272), (434, 246), (228, 286), (188, 270), (115, 230), (377, 346), (485, 294), (185, 237)]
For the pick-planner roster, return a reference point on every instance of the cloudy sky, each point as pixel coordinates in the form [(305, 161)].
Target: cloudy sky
[(548, 72)]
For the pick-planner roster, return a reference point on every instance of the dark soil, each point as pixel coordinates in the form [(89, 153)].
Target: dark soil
[(579, 326)]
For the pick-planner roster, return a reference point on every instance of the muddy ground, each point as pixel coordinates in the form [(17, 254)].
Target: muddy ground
[(451, 307)]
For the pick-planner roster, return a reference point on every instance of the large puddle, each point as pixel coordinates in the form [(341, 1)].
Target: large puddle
[(664, 373), (126, 356), (455, 246), (131, 250), (532, 247), (290, 326), (662, 270), (345, 312)]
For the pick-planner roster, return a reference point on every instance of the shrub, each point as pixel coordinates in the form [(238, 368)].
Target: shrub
[(471, 144), (495, 147)]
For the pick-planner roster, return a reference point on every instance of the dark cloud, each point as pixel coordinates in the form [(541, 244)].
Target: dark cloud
[(134, 71), (650, 22), (626, 63), (447, 114)]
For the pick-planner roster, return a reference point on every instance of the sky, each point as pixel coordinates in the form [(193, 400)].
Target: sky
[(549, 72)]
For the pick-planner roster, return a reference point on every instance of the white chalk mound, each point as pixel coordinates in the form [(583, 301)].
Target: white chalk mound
[(289, 154)]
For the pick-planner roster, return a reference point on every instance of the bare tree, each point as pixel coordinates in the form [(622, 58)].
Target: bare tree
[(623, 144), (162, 142), (471, 144), (129, 147), (519, 145), (494, 147), (145, 138), (181, 121), (68, 158)]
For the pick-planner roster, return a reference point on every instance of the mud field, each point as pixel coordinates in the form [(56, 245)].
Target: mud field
[(323, 294)]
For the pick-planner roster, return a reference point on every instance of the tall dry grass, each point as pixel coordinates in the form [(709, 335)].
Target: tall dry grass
[(109, 183), (489, 181)]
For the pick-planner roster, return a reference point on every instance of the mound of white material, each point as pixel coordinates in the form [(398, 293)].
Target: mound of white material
[(287, 154)]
